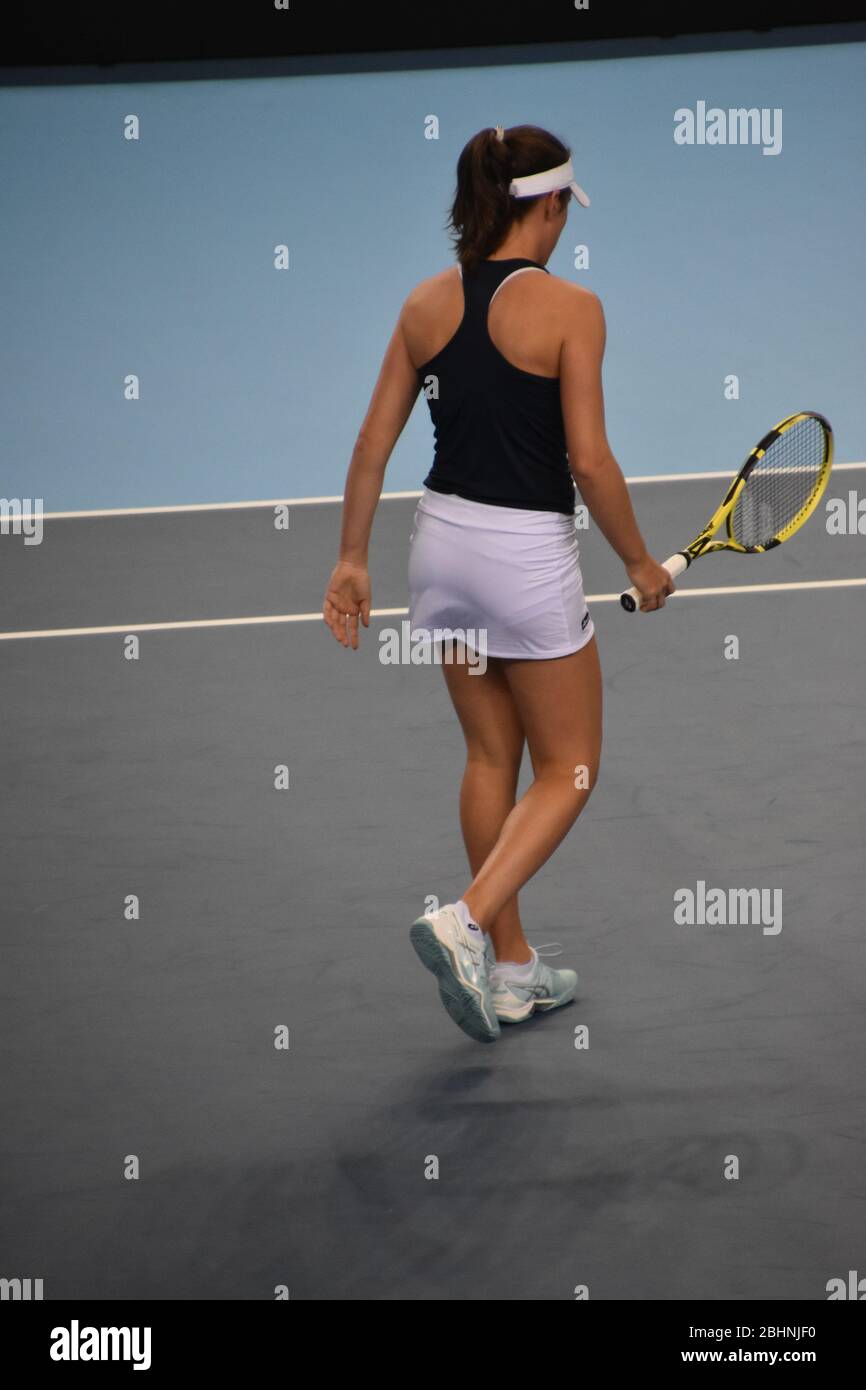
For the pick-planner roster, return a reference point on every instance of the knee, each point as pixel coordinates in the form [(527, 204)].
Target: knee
[(576, 776), (586, 774), (496, 756)]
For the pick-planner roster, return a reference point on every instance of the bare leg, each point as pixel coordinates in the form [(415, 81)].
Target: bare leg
[(559, 704), (494, 749)]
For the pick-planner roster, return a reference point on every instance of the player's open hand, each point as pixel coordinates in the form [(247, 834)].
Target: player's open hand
[(347, 599)]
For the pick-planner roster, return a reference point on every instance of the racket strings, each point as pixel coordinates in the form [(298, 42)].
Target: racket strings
[(780, 485)]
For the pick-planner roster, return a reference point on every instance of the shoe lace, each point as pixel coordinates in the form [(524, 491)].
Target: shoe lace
[(549, 948)]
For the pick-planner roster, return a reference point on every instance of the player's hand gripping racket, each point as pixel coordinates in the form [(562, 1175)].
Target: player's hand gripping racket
[(776, 490)]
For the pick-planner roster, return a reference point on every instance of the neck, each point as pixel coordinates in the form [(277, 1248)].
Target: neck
[(521, 245)]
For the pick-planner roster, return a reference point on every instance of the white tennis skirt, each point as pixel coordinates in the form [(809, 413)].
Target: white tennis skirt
[(511, 574)]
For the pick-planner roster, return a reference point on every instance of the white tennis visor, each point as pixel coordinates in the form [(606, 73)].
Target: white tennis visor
[(547, 182)]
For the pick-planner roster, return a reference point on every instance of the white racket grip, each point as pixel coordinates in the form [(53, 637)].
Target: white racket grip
[(675, 566)]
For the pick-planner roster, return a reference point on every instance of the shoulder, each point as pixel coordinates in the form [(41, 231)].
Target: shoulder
[(577, 299), (427, 298), (580, 315), (429, 290), (439, 297)]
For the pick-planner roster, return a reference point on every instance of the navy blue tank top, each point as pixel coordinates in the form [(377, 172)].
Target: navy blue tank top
[(498, 430)]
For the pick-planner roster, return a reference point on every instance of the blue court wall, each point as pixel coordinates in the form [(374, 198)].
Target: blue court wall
[(155, 258)]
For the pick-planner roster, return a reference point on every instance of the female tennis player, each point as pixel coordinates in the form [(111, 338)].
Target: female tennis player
[(509, 358)]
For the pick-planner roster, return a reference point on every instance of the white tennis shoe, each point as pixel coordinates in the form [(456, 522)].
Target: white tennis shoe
[(456, 955), (516, 998)]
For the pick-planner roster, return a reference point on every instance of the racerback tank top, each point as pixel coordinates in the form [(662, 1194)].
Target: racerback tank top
[(498, 430)]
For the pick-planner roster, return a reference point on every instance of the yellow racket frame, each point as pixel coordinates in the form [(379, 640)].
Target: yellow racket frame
[(705, 545)]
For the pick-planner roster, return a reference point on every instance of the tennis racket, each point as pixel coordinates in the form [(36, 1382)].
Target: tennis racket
[(775, 492)]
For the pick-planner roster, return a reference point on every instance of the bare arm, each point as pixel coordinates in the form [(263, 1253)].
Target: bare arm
[(348, 594), (390, 406), (596, 472)]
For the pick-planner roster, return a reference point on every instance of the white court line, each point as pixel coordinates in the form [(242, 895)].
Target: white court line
[(318, 501), (220, 506), (129, 628)]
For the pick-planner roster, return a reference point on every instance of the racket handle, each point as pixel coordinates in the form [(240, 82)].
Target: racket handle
[(674, 566)]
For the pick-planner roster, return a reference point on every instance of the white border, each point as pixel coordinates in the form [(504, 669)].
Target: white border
[(322, 501), (130, 628)]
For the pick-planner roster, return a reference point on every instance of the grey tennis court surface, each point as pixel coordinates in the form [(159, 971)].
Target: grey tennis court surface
[(152, 1039)]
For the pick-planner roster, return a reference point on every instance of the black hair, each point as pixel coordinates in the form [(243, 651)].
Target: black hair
[(483, 210)]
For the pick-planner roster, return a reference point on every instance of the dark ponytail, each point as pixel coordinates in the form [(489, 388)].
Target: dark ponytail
[(483, 210)]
